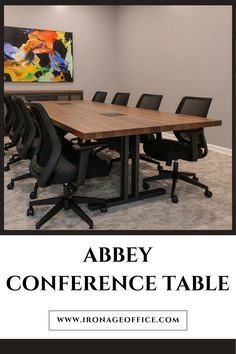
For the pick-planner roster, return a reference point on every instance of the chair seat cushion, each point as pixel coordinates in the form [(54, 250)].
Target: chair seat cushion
[(97, 167), (68, 164), (169, 150), (64, 172)]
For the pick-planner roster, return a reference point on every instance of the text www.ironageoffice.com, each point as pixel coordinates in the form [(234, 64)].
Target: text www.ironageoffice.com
[(117, 320)]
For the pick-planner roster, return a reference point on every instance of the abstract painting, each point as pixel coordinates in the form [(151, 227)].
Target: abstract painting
[(35, 55)]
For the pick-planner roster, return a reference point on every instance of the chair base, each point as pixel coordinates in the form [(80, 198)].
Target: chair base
[(146, 158), (18, 178), (15, 158), (8, 146), (176, 175), (11, 185), (67, 201), (34, 193)]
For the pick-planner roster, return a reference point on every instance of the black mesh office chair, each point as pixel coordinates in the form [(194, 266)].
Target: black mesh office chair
[(99, 96), (191, 146), (13, 128), (149, 101), (9, 118), (28, 142), (121, 98), (51, 166)]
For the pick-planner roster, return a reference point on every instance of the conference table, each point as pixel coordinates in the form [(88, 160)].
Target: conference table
[(94, 120)]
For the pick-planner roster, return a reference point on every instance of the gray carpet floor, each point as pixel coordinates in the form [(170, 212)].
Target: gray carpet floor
[(193, 212)]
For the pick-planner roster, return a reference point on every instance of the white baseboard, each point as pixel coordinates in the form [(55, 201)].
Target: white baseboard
[(212, 147), (220, 149)]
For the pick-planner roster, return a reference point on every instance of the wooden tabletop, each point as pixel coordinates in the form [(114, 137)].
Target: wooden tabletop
[(86, 119)]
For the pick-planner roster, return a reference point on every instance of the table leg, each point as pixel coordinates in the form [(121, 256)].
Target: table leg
[(124, 169), (135, 166)]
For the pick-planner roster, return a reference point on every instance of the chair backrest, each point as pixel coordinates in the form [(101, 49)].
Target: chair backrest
[(10, 117), (149, 101), (99, 96), (17, 128), (193, 106), (49, 149), (29, 132), (121, 98)]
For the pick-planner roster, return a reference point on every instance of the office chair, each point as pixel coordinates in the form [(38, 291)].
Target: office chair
[(9, 118), (149, 101), (13, 128), (99, 96), (121, 98), (28, 141), (50, 166), (191, 145), (8, 121)]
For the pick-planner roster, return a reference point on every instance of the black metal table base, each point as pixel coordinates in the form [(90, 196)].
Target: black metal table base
[(129, 147), (118, 200)]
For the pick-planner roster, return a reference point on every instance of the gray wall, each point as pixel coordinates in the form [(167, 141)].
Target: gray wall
[(93, 30), (172, 50), (178, 51)]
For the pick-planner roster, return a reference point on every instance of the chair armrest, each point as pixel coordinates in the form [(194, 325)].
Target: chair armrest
[(194, 138), (84, 151), (87, 146)]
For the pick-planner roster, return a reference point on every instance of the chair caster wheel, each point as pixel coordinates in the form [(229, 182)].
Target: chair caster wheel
[(146, 186), (33, 195), (208, 194), (103, 208), (30, 212), (90, 227), (174, 199), (10, 185), (195, 178), (37, 227), (6, 168)]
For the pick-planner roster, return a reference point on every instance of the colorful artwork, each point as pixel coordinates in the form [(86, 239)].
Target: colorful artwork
[(33, 55)]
